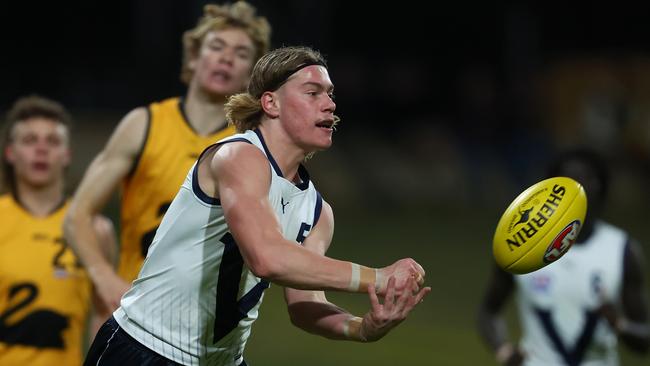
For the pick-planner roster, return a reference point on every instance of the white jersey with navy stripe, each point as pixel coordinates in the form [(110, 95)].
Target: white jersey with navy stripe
[(195, 300), (558, 303)]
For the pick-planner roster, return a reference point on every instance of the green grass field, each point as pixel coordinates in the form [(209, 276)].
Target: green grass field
[(455, 249)]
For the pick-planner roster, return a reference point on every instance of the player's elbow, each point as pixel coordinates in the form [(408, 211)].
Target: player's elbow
[(266, 265), (294, 317), (69, 223), (75, 218), (260, 269)]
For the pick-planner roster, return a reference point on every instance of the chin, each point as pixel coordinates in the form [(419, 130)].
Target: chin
[(219, 90), (322, 146), (39, 183)]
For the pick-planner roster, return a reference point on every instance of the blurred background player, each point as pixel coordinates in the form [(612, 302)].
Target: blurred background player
[(572, 312), (45, 294), (153, 147)]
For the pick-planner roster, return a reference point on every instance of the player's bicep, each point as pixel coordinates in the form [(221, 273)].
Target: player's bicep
[(320, 237), (318, 241), (242, 177), (114, 162)]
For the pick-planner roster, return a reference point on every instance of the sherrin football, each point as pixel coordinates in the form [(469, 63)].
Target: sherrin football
[(540, 225)]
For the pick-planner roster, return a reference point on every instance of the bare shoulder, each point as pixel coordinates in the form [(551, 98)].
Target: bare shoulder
[(130, 134), (230, 166), (326, 215), (239, 157)]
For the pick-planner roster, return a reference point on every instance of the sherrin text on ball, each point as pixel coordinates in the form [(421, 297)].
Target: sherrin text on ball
[(540, 225)]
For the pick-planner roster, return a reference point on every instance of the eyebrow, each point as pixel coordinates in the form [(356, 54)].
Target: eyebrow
[(222, 41), (318, 85)]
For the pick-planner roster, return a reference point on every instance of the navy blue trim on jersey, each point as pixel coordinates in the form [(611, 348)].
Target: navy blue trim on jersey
[(196, 188), (318, 208), (304, 178), (229, 311), (275, 165), (252, 297), (574, 355), (138, 157), (302, 171)]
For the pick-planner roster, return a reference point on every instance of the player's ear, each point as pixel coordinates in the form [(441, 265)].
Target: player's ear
[(67, 157), (9, 154), (269, 103)]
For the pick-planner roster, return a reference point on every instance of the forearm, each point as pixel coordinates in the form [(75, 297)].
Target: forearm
[(82, 239), (326, 319), (293, 266)]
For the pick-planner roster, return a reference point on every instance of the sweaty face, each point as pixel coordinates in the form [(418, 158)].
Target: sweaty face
[(224, 62), (38, 151), (306, 107)]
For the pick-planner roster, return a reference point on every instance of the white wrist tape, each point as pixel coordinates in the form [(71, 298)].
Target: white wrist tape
[(355, 278)]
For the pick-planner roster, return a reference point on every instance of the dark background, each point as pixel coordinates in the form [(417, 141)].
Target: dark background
[(458, 92), (449, 109)]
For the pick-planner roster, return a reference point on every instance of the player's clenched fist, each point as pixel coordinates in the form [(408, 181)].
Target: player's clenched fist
[(402, 271)]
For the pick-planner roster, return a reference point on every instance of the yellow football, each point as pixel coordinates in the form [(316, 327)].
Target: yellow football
[(540, 225)]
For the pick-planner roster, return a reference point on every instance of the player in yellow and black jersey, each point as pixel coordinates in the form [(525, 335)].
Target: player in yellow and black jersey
[(45, 294), (153, 147)]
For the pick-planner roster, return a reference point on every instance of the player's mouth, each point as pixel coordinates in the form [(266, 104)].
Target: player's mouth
[(40, 166), (221, 76), (326, 124)]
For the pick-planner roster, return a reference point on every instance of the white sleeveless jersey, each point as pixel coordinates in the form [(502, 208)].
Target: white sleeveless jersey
[(558, 303), (195, 300)]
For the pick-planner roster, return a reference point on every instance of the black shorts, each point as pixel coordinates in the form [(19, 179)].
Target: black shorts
[(114, 347)]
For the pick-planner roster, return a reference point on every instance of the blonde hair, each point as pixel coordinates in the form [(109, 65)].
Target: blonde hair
[(218, 17), (244, 110), (25, 108)]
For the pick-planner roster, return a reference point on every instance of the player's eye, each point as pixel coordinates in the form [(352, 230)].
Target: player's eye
[(54, 140), (244, 55), (28, 139), (215, 46)]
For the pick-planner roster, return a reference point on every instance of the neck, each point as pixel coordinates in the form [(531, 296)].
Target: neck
[(40, 201), (287, 155), (205, 113)]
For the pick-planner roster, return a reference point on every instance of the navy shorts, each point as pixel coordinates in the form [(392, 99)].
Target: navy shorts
[(113, 346)]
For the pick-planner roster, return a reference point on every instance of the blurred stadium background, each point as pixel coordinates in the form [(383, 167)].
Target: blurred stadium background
[(447, 113)]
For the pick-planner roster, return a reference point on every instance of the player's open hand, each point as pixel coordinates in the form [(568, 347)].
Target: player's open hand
[(402, 271), (384, 317)]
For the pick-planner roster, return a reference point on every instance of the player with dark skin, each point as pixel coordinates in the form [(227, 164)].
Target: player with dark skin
[(629, 321)]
